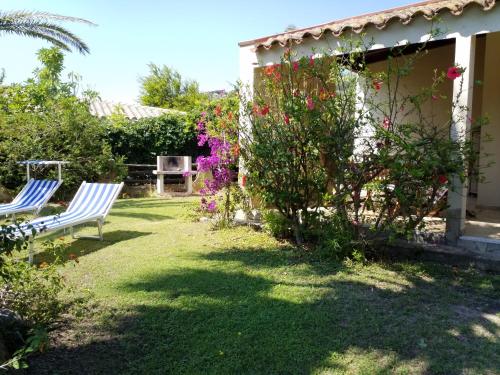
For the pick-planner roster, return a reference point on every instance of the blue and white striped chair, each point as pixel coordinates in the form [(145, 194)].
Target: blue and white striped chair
[(33, 197), (92, 202)]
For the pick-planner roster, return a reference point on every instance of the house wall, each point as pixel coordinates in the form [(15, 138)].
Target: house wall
[(489, 191), (486, 100), (437, 112)]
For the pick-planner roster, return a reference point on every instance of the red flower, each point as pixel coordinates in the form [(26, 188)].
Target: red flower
[(324, 95), (287, 119), (386, 123), (310, 103), (230, 116), (269, 70), (218, 110), (295, 66), (296, 93), (243, 180), (454, 72), (311, 60), (377, 84), (442, 179), (277, 76), (265, 110), (236, 150)]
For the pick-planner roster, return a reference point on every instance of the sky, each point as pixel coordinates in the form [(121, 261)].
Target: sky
[(197, 38)]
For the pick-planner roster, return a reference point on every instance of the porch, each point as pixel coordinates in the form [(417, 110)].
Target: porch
[(472, 42)]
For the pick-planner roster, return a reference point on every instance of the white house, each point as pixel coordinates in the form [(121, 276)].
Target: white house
[(469, 37)]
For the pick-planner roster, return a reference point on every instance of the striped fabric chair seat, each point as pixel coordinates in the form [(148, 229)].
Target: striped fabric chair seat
[(32, 198), (92, 202)]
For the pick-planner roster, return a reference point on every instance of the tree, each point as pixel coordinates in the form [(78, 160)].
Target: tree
[(331, 132), (43, 25), (165, 87), (42, 118)]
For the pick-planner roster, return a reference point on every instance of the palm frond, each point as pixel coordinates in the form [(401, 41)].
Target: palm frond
[(41, 25), (36, 15)]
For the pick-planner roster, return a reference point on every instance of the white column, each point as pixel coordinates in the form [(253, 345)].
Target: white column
[(460, 131), (248, 63), (188, 180), (160, 183)]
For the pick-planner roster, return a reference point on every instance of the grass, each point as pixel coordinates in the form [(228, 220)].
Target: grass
[(165, 295)]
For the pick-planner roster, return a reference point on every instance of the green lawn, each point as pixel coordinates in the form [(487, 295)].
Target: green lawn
[(165, 295)]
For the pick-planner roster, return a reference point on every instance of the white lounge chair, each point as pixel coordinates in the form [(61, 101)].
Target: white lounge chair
[(92, 202), (32, 198)]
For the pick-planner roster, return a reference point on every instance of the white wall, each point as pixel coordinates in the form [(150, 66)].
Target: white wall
[(441, 58), (489, 191)]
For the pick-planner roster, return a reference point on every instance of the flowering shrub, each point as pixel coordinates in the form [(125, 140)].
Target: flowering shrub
[(323, 131), (217, 128)]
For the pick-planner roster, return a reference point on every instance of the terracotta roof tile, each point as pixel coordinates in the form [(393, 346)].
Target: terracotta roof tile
[(404, 14)]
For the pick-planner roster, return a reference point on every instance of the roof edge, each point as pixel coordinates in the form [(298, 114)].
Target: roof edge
[(405, 13)]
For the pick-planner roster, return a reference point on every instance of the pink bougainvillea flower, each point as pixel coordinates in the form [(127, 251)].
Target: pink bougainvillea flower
[(202, 139), (386, 123), (442, 179), (265, 110), (212, 206), (435, 97), (200, 126), (377, 85), (286, 118), (310, 103), (218, 110), (186, 174), (295, 66), (454, 72)]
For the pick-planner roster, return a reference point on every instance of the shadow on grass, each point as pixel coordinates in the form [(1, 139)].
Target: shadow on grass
[(235, 319), (83, 246), (150, 203), (142, 215)]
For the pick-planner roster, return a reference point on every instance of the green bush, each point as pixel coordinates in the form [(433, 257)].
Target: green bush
[(142, 140), (65, 131), (31, 291), (43, 118), (331, 132), (276, 224)]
